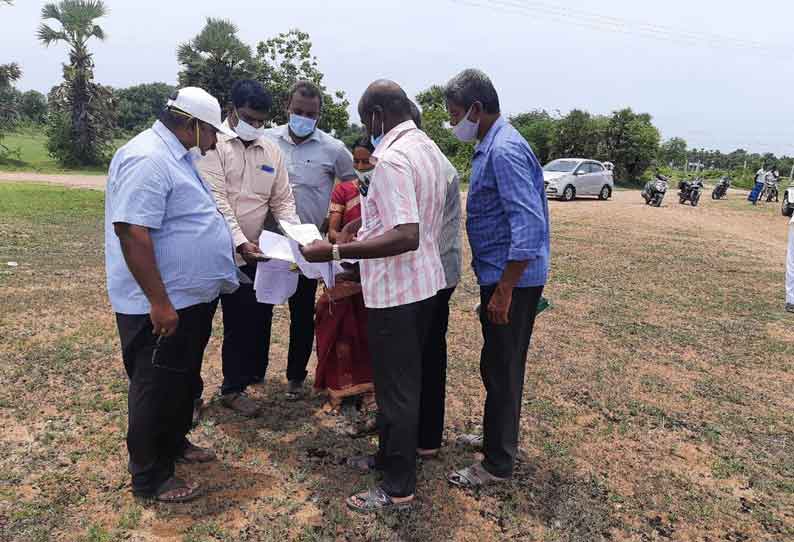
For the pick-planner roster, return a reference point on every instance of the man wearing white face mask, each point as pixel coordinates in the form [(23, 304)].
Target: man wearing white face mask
[(249, 178), (314, 160), (508, 226)]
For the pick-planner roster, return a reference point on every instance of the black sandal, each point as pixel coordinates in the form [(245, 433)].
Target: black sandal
[(375, 500), (189, 492)]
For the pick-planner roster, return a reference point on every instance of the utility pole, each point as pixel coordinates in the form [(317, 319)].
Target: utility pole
[(791, 177)]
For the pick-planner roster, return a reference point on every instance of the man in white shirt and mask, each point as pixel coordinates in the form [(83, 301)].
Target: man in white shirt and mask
[(249, 179)]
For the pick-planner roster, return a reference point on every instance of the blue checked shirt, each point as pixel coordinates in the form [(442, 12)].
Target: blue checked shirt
[(153, 183), (507, 212)]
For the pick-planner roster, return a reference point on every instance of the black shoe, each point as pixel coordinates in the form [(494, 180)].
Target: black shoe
[(295, 390)]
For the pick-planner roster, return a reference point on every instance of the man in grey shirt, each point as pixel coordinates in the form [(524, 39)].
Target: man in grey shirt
[(431, 426), (314, 160)]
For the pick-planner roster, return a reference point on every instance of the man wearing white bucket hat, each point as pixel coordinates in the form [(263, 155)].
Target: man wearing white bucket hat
[(169, 256)]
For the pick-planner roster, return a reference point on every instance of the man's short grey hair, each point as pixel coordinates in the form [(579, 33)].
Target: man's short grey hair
[(471, 86)]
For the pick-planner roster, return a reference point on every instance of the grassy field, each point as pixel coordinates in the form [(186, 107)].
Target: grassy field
[(658, 403), (31, 144)]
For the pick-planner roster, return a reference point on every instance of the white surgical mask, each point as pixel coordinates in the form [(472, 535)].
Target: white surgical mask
[(195, 151), (245, 131), (195, 154), (466, 130)]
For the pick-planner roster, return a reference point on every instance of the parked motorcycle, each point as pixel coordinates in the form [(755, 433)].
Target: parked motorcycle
[(771, 189), (690, 190), (721, 189), (654, 191)]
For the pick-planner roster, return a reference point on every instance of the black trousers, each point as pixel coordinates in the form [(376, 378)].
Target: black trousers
[(162, 380), (434, 375), (502, 366), (301, 328), (246, 337), (397, 337)]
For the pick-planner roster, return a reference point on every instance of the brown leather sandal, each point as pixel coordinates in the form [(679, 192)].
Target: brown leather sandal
[(173, 491)]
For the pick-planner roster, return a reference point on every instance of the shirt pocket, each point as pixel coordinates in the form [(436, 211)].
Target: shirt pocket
[(315, 173), (263, 178)]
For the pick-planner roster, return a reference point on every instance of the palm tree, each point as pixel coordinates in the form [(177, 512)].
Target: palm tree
[(215, 59), (76, 19), (8, 110)]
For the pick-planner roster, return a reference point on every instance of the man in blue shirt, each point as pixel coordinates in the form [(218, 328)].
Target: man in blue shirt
[(168, 254), (508, 227)]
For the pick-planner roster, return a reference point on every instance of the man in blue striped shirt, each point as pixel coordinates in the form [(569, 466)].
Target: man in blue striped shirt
[(508, 226), (168, 254)]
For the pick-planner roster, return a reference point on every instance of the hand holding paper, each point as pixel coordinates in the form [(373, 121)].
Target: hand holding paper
[(318, 251)]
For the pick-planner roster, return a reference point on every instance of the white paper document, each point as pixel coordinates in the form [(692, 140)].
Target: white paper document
[(276, 247), (303, 234), (275, 282), (287, 250)]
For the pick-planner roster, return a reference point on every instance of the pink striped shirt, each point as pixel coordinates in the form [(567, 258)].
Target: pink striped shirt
[(408, 186)]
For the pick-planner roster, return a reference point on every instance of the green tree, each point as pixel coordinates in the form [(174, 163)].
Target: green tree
[(9, 73), (9, 96), (81, 119), (632, 143), (673, 151), (434, 124), (579, 134), (215, 59), (140, 105), (287, 58), (351, 134), (537, 127), (33, 107)]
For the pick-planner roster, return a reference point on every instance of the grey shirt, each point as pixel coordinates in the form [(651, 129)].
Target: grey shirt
[(449, 241), (312, 167)]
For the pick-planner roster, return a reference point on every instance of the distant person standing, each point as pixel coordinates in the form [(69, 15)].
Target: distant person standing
[(790, 268), (760, 178), (169, 255), (314, 160), (508, 227)]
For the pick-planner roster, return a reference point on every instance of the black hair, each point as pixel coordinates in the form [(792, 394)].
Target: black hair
[(365, 143), (471, 86), (307, 89), (250, 93)]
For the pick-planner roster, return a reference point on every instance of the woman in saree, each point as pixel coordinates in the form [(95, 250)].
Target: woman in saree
[(344, 369)]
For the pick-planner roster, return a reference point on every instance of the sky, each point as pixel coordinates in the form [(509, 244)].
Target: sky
[(714, 72)]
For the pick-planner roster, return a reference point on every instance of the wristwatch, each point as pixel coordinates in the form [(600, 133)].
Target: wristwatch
[(335, 253)]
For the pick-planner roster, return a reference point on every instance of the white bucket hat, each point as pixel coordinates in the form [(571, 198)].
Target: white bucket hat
[(200, 104)]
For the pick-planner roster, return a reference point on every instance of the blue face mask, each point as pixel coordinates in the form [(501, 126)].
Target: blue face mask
[(376, 140), (301, 126)]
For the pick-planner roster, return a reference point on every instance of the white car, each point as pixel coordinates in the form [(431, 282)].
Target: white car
[(568, 178)]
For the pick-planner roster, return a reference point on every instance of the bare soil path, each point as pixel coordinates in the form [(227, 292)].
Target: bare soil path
[(74, 181)]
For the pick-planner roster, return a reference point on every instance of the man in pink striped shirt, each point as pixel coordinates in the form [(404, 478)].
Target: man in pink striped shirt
[(401, 273)]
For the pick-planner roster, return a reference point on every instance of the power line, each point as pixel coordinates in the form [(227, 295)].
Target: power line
[(616, 25)]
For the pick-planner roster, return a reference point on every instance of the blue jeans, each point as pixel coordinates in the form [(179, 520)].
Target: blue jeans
[(756, 191)]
